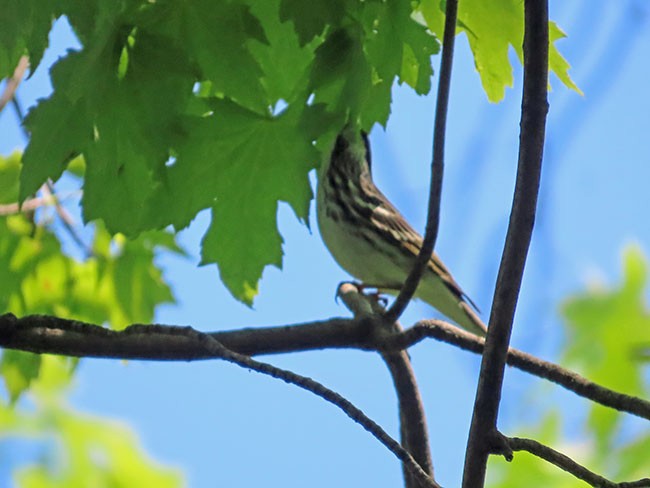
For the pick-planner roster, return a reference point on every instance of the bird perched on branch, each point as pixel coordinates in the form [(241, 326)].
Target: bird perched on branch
[(372, 241)]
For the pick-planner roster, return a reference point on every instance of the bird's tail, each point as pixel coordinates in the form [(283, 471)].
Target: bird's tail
[(452, 304), (470, 320)]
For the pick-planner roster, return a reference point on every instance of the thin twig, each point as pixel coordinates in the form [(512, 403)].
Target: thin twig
[(552, 372), (27, 206), (13, 82), (437, 167), (215, 347), (483, 438), (567, 464), (33, 204), (66, 219)]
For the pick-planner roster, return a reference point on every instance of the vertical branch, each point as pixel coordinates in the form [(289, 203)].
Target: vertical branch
[(484, 438), (437, 166), (412, 419)]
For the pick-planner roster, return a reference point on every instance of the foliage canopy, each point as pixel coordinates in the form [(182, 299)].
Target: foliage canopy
[(193, 105)]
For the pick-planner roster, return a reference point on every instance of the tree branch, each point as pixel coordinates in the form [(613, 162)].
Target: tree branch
[(552, 372), (567, 464), (52, 335), (483, 438), (437, 166), (12, 83), (44, 334), (212, 346), (51, 330), (66, 219), (28, 206), (413, 425)]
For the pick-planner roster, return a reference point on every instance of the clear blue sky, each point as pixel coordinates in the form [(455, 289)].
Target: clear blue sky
[(219, 422)]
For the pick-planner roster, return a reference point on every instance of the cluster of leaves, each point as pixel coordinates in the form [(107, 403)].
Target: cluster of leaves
[(118, 285), (608, 330), (185, 106)]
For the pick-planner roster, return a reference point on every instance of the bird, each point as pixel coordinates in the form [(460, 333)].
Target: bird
[(371, 240)]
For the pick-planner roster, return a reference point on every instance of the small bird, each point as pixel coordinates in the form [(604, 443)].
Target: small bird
[(372, 241)]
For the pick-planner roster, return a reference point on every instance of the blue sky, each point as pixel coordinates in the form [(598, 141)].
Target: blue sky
[(219, 422)]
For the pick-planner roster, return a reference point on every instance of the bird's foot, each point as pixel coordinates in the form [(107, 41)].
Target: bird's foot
[(363, 288)]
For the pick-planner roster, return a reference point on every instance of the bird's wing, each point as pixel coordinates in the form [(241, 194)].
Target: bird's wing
[(387, 216)]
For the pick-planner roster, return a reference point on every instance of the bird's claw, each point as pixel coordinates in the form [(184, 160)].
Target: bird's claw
[(361, 288)]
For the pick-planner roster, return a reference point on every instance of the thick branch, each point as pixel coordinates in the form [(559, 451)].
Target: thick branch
[(567, 464), (52, 335), (437, 166), (482, 437)]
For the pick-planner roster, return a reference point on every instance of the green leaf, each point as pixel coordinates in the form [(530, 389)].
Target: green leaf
[(25, 28), (79, 450), (18, 369), (491, 29), (217, 36), (606, 326), (285, 62), (123, 126), (311, 18), (120, 284), (341, 75), (240, 164), (139, 284), (398, 46), (556, 61), (119, 287), (62, 126), (59, 131), (9, 173)]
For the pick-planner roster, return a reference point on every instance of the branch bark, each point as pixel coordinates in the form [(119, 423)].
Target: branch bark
[(483, 436), (412, 419), (567, 464), (43, 334)]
